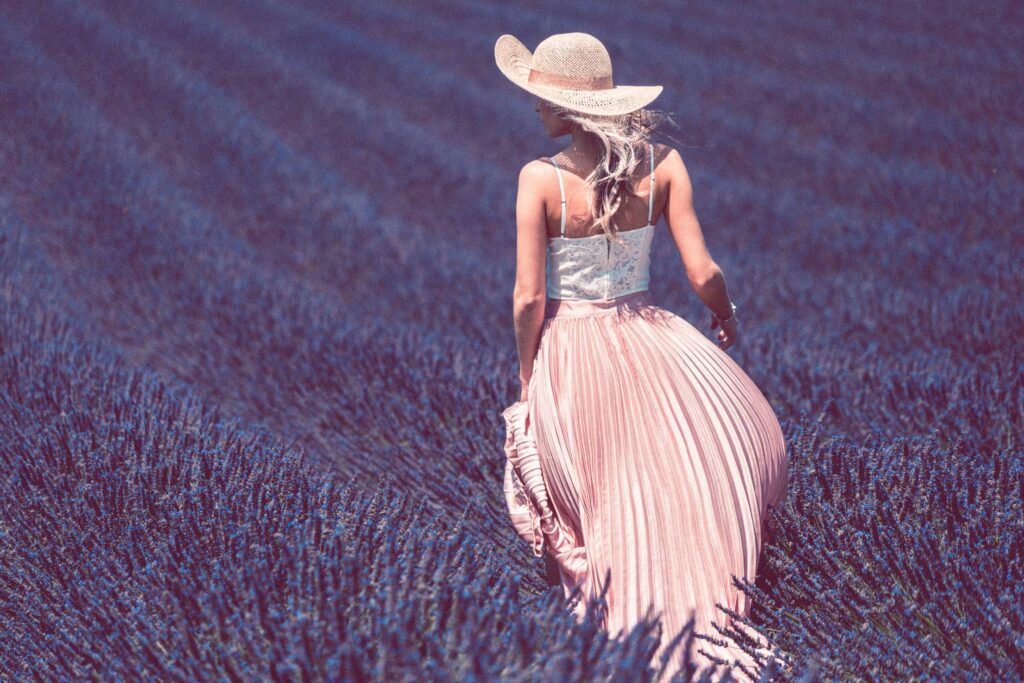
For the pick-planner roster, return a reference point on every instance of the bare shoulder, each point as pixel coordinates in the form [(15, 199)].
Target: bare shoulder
[(677, 178), (668, 159), (534, 172)]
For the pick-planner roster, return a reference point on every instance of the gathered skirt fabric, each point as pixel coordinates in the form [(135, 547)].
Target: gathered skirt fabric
[(652, 457)]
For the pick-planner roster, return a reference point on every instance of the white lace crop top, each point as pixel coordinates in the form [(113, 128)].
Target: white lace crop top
[(594, 267)]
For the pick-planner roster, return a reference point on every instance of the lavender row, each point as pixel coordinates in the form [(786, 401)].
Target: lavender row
[(176, 293), (908, 558)]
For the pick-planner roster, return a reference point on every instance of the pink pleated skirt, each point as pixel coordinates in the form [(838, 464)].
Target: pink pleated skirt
[(644, 454)]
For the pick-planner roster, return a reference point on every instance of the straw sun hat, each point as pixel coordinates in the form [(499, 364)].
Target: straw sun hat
[(572, 70)]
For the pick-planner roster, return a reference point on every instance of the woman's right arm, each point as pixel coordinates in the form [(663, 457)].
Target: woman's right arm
[(704, 275)]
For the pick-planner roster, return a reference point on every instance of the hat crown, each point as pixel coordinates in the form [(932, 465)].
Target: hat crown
[(573, 54)]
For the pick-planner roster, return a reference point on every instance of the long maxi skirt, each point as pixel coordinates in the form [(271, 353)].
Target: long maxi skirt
[(644, 453)]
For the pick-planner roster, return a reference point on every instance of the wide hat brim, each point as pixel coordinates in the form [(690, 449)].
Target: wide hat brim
[(514, 60)]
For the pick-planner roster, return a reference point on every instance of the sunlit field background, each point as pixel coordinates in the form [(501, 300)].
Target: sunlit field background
[(256, 265)]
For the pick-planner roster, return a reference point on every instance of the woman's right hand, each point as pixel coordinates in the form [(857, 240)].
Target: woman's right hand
[(726, 335)]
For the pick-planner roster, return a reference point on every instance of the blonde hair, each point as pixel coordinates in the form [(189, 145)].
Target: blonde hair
[(623, 142)]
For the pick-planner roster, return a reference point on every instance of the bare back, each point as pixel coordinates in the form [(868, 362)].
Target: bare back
[(579, 221), (673, 198)]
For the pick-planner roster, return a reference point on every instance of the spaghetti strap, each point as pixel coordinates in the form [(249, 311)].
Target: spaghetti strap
[(650, 199), (561, 190)]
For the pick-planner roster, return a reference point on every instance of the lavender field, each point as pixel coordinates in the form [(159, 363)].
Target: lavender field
[(256, 267)]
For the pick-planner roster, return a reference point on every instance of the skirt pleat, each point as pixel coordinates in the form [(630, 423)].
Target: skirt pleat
[(659, 457)]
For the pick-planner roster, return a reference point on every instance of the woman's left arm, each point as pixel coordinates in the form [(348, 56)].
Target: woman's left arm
[(528, 296)]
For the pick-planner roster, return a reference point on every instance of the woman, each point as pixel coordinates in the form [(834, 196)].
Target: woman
[(641, 458)]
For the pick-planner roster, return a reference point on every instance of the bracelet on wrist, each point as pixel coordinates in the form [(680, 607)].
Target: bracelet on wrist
[(732, 315)]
